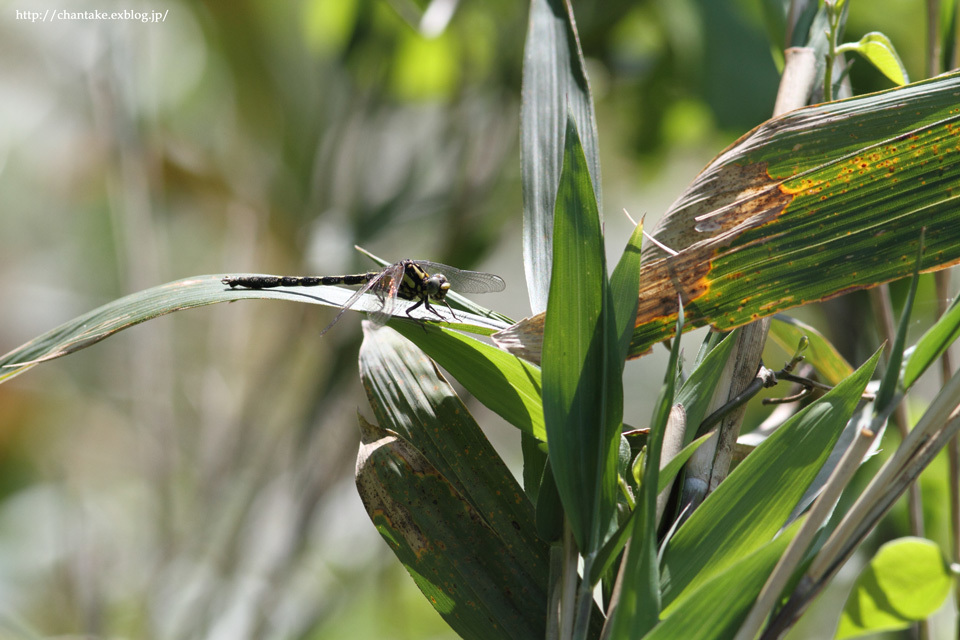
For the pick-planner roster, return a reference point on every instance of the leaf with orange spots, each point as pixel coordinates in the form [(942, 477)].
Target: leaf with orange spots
[(808, 206)]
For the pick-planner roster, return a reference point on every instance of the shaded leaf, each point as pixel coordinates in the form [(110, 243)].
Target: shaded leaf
[(410, 397), (461, 565), (638, 608), (697, 390)]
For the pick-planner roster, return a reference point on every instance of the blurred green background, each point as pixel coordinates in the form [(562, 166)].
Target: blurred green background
[(192, 477)]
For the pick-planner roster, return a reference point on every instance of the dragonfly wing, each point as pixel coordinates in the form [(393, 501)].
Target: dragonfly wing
[(463, 281), (371, 285), (385, 286)]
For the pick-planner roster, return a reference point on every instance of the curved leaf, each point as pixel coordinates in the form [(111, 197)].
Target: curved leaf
[(91, 327), (877, 48), (932, 344), (504, 383)]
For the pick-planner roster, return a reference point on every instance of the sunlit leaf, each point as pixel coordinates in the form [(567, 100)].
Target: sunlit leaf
[(932, 344), (554, 85), (755, 501), (907, 580), (582, 392), (808, 206), (188, 293), (877, 48)]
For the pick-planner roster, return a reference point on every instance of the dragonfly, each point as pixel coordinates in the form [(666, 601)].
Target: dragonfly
[(413, 280)]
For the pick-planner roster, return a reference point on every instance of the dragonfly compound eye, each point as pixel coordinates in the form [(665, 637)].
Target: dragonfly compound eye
[(436, 286)]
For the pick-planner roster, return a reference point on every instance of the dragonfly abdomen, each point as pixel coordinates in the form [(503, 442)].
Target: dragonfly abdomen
[(269, 282)]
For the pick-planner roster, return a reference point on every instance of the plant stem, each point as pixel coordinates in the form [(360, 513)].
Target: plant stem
[(569, 590), (584, 602)]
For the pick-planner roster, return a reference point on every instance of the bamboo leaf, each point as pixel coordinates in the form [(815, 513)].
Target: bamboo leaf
[(756, 500), (612, 547), (888, 385), (554, 85), (102, 322), (787, 332), (505, 384), (582, 393), (411, 398), (624, 281), (816, 203), (638, 609), (697, 391), (716, 608), (462, 565), (932, 344)]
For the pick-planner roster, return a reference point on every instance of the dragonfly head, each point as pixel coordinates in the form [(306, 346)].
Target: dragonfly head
[(436, 286)]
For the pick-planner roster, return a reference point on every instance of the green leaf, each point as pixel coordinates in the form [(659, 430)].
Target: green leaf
[(638, 608), (549, 508), (554, 85), (717, 607), (462, 565), (888, 385), (697, 391), (582, 392), (624, 284), (102, 322), (933, 344), (410, 397), (816, 203), (786, 332), (907, 580), (505, 384), (755, 501), (877, 48), (612, 547)]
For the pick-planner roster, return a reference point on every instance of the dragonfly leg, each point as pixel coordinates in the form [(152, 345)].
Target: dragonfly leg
[(426, 304), (449, 308), (419, 303)]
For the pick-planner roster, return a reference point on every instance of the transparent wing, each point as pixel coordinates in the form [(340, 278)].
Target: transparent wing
[(385, 286), (381, 285), (463, 281)]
